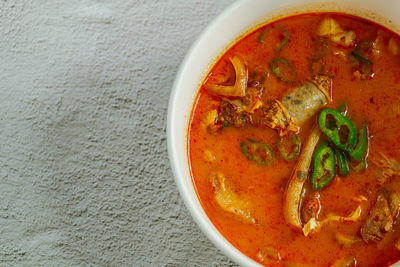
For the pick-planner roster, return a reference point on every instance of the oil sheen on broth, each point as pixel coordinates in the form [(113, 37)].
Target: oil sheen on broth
[(294, 143)]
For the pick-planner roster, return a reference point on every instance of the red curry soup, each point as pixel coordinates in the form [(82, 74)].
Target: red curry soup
[(294, 143)]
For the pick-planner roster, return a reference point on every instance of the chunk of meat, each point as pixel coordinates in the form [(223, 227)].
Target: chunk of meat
[(394, 204), (230, 115), (238, 112), (276, 117), (360, 59), (379, 221), (331, 29), (389, 168), (249, 103), (328, 26), (346, 38), (228, 200), (383, 215)]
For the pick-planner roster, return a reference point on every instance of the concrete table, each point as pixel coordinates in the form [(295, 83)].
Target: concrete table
[(85, 177)]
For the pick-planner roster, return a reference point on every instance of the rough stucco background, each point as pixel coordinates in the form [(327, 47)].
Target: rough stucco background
[(85, 176)]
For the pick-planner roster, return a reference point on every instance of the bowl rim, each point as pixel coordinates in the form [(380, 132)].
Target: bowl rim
[(199, 215)]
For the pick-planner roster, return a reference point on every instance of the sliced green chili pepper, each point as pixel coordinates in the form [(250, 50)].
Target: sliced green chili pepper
[(295, 145), (283, 70), (360, 166), (342, 132), (279, 46), (359, 151), (256, 151), (324, 166), (343, 166), (343, 110)]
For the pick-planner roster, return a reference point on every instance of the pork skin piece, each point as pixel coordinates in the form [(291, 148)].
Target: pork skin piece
[(382, 215), (228, 200)]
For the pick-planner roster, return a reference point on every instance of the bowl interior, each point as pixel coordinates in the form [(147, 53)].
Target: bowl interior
[(234, 23)]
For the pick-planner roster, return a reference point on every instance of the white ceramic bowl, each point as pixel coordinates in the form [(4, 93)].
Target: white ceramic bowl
[(235, 22)]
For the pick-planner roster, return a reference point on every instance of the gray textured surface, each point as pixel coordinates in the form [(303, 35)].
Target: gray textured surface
[(85, 177)]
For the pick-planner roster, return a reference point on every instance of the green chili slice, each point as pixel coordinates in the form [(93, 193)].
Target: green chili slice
[(323, 166), (343, 166), (286, 35), (283, 70), (343, 110), (339, 129), (359, 151), (295, 147), (256, 151)]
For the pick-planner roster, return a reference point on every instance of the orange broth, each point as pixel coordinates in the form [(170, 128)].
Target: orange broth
[(375, 101)]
